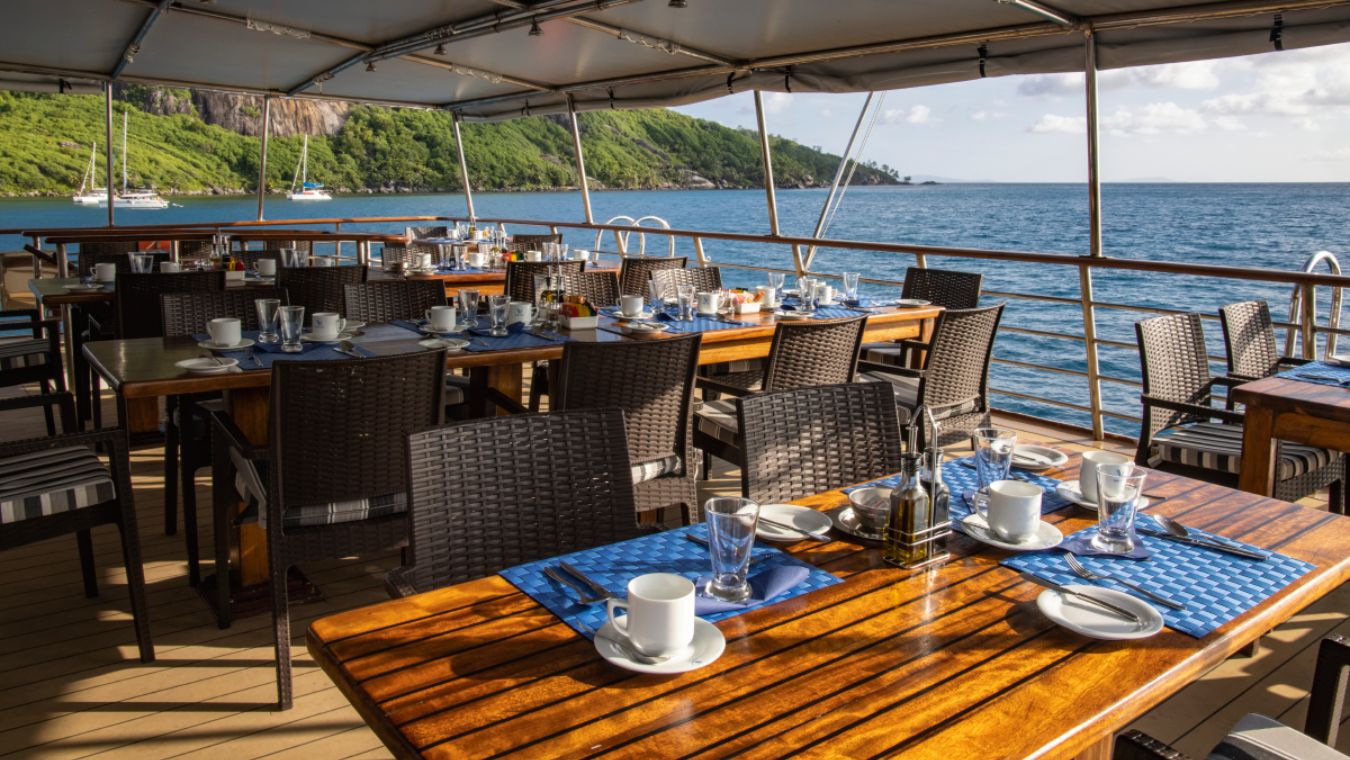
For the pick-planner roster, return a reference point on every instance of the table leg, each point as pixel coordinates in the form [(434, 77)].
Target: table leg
[(1258, 451), (503, 381), (248, 408), (77, 369), (1103, 749)]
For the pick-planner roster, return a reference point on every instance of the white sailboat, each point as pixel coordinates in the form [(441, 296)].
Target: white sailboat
[(308, 191), (88, 194), (142, 198)]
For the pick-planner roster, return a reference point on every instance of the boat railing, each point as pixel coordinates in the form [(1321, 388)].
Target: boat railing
[(1303, 310), (621, 237)]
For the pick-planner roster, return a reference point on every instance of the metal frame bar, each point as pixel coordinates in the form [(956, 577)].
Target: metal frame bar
[(463, 166), (108, 149), (1094, 234), (134, 45), (664, 44), (1044, 11), (770, 194), (838, 175), (262, 155), (582, 182)]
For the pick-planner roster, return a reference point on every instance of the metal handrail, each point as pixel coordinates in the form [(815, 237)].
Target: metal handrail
[(1303, 309), (621, 236)]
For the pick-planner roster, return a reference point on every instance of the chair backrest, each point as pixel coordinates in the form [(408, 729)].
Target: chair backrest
[(702, 278), (89, 259), (635, 271), (564, 485), (394, 253), (188, 313), (651, 381), (251, 258), (387, 300), (107, 248), (320, 288), (427, 232), (805, 441), (944, 287), (956, 365), (599, 288), (137, 304), (338, 428), (813, 353), (194, 248), (1249, 339), (1174, 364), (520, 276), (533, 242)]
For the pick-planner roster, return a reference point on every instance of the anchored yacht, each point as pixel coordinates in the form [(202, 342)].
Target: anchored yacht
[(308, 191)]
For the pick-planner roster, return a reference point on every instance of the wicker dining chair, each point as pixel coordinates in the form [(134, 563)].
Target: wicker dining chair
[(108, 248), (563, 487), (387, 300), (56, 486), (1249, 340), (809, 440), (947, 288), (35, 359), (601, 288), (653, 383), (320, 288), (413, 233), (953, 382), (665, 281), (521, 243), (137, 303), (251, 258), (332, 480), (802, 354), (1179, 432), (89, 260), (393, 254), (520, 276), (635, 272)]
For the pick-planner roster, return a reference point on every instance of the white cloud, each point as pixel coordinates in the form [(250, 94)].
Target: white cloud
[(988, 115), (1050, 85), (917, 114), (1228, 123), (826, 113), (775, 102), (1152, 119), (1197, 75), (1335, 154), (1054, 123), (1310, 86)]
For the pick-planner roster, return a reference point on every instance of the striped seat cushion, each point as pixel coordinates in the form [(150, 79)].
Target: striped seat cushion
[(717, 419), (248, 481), (1216, 446), (655, 468), (456, 389), (753, 380), (43, 483), (907, 396), (24, 353)]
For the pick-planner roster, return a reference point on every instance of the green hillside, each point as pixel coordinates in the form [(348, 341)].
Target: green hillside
[(44, 150)]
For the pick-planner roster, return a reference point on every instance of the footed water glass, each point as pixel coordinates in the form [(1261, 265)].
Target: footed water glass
[(498, 308), (1118, 490), (851, 288), (993, 461), (776, 282), (291, 323), (731, 535), (267, 318), (684, 294), (468, 305)]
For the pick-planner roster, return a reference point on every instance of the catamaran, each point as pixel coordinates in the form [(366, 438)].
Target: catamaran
[(309, 191), (144, 198), (87, 195)]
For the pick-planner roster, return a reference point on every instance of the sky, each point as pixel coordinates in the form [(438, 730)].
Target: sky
[(1274, 117)]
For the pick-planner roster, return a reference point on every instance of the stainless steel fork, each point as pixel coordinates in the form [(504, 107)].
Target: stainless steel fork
[(1083, 572)]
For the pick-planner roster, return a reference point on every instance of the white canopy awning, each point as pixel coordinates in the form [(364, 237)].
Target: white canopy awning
[(479, 58)]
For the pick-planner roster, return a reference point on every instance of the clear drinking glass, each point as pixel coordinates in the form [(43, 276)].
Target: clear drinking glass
[(993, 461), (685, 295), (468, 305), (141, 262), (498, 306), (806, 293), (851, 288), (731, 536), (292, 321), (1118, 491), (776, 282), (267, 318), (654, 299)]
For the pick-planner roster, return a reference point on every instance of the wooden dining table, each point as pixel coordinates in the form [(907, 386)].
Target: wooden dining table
[(144, 368), (1285, 409), (951, 661)]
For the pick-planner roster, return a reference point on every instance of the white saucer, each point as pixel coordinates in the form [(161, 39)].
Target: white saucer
[(644, 315), (458, 328), (353, 326), (207, 366), (651, 327), (1095, 622), (309, 338), (911, 302), (242, 344), (1068, 489), (706, 647), (807, 520), (449, 344), (1047, 536), (847, 521), (1045, 457), (792, 315)]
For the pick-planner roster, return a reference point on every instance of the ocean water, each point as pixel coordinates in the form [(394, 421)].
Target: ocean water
[(1258, 225)]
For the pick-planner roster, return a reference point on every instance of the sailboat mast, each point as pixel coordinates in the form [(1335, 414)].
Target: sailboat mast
[(304, 163), (125, 114)]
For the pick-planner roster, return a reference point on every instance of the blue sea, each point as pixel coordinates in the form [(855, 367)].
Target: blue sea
[(1257, 225)]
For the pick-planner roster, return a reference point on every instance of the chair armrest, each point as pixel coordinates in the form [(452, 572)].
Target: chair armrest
[(1291, 361), (93, 440), (1228, 381), (711, 383), (64, 400), (1137, 745), (1199, 410), (223, 424), (398, 584), (41, 254), (1327, 699), (890, 369)]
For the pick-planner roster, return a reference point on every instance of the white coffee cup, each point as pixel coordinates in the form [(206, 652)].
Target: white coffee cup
[(477, 259), (521, 312), (660, 618), (1014, 509), (534, 256), (327, 325), (105, 272), (267, 267), (441, 318), (631, 306), (169, 267), (768, 296), (1087, 474), (225, 331), (423, 261), (708, 301)]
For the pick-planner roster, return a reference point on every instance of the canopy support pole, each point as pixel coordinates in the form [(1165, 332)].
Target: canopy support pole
[(463, 166), (766, 155), (581, 160), (262, 155), (1094, 235), (838, 176), (108, 144)]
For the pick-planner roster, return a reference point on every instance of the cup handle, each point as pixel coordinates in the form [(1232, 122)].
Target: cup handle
[(609, 612), (342, 326)]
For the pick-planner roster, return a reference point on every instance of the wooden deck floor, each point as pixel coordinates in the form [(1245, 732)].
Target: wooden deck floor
[(72, 686)]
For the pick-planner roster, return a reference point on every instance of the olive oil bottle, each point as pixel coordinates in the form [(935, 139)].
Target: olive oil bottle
[(909, 518)]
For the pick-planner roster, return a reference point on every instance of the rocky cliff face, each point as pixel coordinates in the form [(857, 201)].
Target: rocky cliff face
[(242, 113)]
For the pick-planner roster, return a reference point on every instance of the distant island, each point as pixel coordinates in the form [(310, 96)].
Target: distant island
[(205, 143)]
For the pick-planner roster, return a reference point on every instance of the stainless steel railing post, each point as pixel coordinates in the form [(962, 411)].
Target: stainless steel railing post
[(1090, 343), (1307, 321)]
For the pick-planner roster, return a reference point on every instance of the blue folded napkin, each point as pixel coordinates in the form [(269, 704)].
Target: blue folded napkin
[(1080, 544), (764, 586)]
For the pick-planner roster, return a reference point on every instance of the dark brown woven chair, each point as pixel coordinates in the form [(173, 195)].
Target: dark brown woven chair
[(426, 232), (653, 383), (60, 474), (702, 278), (600, 288), (1184, 433), (522, 243), (562, 486), (947, 288), (801, 442), (387, 300), (335, 469), (1249, 339), (92, 258), (320, 288), (393, 254), (954, 381), (251, 258), (520, 276), (137, 300), (635, 272), (108, 248), (36, 360), (801, 355), (194, 249)]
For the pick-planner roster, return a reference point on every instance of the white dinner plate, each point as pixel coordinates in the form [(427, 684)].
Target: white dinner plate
[(212, 346), (1031, 457), (84, 288), (204, 365), (706, 647), (309, 338), (1047, 536), (449, 344), (912, 302), (648, 327), (1340, 360), (1068, 489), (806, 520), (792, 315), (1090, 620)]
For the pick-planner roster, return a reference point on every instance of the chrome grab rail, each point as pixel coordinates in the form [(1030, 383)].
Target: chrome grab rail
[(1303, 311), (621, 236)]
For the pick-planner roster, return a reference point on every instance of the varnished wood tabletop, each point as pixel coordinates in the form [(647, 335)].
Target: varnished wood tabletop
[(1287, 395), (1284, 409), (949, 662)]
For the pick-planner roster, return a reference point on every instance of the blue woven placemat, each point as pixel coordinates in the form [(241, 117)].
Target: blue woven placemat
[(479, 340), (699, 323), (263, 356), (1321, 373), (612, 566), (1215, 587)]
